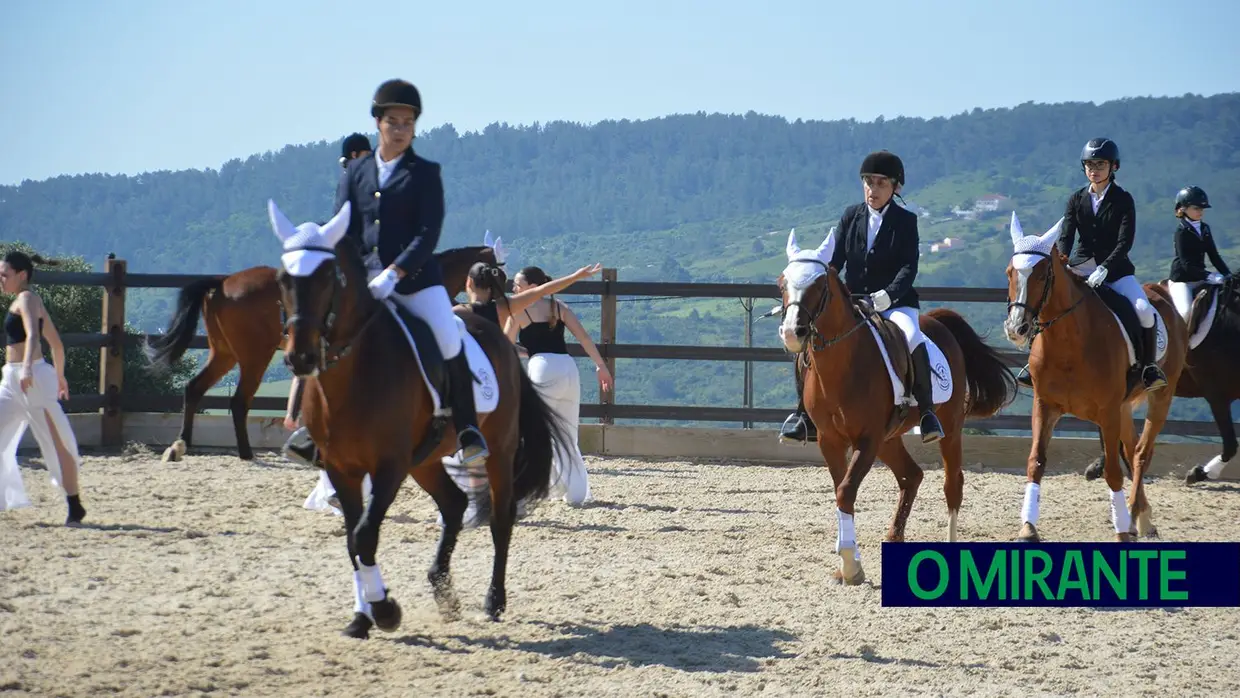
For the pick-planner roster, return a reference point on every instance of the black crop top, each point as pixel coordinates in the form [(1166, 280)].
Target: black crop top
[(14, 330), (541, 337)]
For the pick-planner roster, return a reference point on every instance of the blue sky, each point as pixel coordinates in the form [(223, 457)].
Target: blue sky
[(126, 86)]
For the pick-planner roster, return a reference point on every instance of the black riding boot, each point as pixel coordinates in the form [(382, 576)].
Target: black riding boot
[(931, 430), (1152, 375), (473, 448), (300, 447), (798, 426), (1024, 377)]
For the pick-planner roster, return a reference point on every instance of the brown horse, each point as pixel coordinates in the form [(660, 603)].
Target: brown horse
[(369, 410), (1210, 371), (851, 398), (1081, 365), (242, 314)]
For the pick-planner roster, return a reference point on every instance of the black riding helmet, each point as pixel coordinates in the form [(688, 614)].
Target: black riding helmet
[(1101, 149), (1192, 196), (396, 93), (885, 163), (355, 143)]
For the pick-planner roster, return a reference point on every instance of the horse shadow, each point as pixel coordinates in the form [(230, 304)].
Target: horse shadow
[(120, 528), (712, 649), (561, 526)]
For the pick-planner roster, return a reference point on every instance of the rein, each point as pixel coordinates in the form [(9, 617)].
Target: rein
[(817, 340), (1038, 325)]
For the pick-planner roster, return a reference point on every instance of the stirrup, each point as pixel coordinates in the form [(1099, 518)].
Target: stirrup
[(935, 432), (1024, 377), (300, 448), (476, 452), (1153, 378), (796, 428)]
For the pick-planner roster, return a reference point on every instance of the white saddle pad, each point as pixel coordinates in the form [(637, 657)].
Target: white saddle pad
[(486, 391), (1160, 334), (941, 384)]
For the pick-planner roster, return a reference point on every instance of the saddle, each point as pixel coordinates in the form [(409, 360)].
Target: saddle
[(1201, 306), (1122, 307), (893, 341), (428, 353)]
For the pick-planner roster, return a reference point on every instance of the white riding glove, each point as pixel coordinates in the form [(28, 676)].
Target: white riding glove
[(1215, 278), (1096, 278), (382, 285), (881, 300)]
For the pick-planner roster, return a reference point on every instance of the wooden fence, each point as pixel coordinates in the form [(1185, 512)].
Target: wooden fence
[(113, 342)]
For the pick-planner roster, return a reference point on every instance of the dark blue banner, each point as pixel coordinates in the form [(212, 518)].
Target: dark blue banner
[(1136, 575)]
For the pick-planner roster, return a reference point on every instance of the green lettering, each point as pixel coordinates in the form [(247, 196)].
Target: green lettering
[(970, 577), (1038, 577), (1143, 571), (1166, 575), (1015, 593), (1073, 563), (1103, 568), (944, 576)]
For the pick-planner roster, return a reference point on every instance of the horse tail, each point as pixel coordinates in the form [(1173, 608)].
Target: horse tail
[(991, 385), (541, 431), (166, 349)]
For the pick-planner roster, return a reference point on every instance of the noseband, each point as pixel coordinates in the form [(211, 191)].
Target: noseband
[(1038, 325), (819, 342)]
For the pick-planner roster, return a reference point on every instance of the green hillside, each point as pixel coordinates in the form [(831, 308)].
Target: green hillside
[(692, 197)]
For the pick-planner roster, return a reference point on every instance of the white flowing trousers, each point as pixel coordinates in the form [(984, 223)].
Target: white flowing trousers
[(556, 378), (34, 409)]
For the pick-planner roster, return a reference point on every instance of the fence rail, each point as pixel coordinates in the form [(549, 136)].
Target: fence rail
[(112, 342)]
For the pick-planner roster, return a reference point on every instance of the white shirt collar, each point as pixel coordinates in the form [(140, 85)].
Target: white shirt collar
[(386, 168), (1196, 225)]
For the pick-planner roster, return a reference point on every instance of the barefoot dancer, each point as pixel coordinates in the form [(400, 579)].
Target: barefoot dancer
[(29, 390)]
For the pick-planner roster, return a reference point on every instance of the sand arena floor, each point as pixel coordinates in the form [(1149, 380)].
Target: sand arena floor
[(207, 577)]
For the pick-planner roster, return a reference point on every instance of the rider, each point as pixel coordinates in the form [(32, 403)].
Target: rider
[(354, 147), (1106, 220), (878, 248), (1193, 242), (405, 191)]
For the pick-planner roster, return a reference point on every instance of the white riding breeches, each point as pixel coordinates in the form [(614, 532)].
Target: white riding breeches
[(1182, 294), (433, 306), (39, 410), (906, 319), (1126, 286), (558, 382)]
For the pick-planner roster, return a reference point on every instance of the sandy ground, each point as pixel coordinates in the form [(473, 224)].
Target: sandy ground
[(207, 577)]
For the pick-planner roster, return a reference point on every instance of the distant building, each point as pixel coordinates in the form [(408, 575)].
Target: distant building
[(946, 244), (989, 202)]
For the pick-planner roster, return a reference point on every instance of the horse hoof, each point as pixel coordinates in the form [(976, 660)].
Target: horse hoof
[(850, 573), (1028, 534), (1093, 471), (1197, 474), (170, 455), (496, 605), (853, 581), (1125, 537), (359, 629), (386, 613)]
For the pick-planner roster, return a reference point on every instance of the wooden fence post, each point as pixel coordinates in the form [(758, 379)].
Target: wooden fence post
[(607, 337), (112, 355)]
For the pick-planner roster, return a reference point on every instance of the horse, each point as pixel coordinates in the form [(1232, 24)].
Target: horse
[(1081, 365), (1210, 370), (853, 363), (368, 369), (241, 312)]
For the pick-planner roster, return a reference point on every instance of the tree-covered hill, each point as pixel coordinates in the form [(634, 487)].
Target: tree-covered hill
[(693, 197)]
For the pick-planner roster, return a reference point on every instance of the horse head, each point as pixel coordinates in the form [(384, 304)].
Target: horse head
[(807, 290), (311, 281), (1031, 278)]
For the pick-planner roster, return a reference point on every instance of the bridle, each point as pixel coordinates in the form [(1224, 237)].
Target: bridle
[(1047, 287), (817, 341), (330, 353)]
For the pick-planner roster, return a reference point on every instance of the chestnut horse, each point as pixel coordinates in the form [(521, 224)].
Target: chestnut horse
[(241, 312), (1081, 365), (1210, 371), (369, 410), (850, 396)]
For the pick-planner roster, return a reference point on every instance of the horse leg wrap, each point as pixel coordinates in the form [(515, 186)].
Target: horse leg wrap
[(359, 596), (846, 533), (372, 583), (1029, 512), (1214, 469), (1119, 512)]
